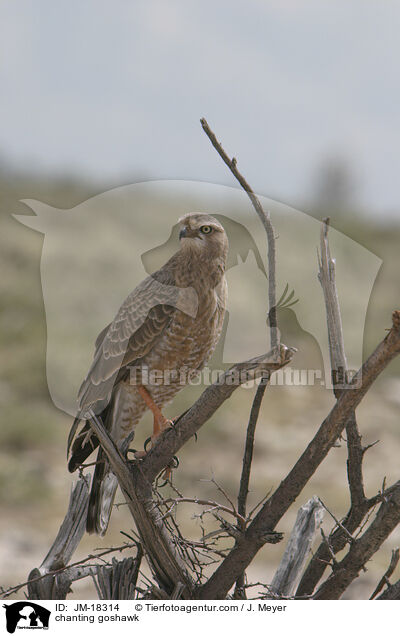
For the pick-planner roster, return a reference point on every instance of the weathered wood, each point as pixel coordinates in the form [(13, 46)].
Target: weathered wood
[(135, 481), (359, 504), (210, 400), (118, 580), (392, 593), (56, 586), (385, 578), (362, 549), (240, 590), (167, 567), (276, 506), (268, 227), (326, 276), (308, 520)]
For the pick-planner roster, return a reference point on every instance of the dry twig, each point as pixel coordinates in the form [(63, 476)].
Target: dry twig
[(265, 220), (385, 578), (276, 506)]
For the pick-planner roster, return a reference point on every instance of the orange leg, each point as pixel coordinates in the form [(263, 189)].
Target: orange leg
[(160, 423)]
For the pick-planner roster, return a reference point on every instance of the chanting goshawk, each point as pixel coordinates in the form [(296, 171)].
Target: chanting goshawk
[(169, 324)]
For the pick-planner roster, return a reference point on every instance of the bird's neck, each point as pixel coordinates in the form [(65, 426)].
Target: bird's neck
[(199, 269)]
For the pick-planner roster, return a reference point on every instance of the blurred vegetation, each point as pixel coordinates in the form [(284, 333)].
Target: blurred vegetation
[(34, 482)]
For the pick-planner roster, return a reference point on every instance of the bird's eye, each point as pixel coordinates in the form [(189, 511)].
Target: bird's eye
[(206, 229)]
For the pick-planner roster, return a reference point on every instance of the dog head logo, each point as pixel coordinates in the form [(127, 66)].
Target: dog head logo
[(26, 615)]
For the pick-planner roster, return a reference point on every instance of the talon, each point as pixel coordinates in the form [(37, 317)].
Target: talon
[(166, 475), (165, 483), (175, 462)]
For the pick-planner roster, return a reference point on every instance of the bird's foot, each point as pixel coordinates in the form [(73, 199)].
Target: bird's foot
[(166, 474), (160, 425)]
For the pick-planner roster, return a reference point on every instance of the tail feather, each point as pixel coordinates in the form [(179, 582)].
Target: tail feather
[(104, 482), (102, 494), (84, 445)]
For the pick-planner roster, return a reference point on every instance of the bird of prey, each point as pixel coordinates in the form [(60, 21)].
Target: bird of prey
[(170, 325)]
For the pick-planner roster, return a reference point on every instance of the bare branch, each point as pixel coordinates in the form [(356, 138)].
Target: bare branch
[(392, 593), (168, 568), (68, 537), (362, 549), (117, 581), (240, 590), (327, 278), (309, 519), (353, 521), (276, 506), (207, 404), (265, 220), (76, 570), (206, 502), (347, 534), (385, 579), (248, 452), (359, 504)]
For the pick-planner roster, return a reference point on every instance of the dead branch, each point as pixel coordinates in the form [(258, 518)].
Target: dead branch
[(76, 569), (339, 524), (167, 566), (205, 502), (327, 278), (136, 481), (118, 581), (362, 549), (359, 505), (70, 533), (276, 506), (248, 451), (392, 593), (211, 399), (176, 562), (385, 578), (265, 220), (240, 590), (309, 519)]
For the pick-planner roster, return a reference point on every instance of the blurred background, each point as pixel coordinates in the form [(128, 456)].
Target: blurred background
[(99, 95)]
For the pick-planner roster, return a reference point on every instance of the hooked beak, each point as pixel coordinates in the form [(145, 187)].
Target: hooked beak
[(182, 233)]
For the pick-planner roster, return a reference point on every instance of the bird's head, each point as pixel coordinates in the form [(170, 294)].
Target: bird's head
[(203, 233)]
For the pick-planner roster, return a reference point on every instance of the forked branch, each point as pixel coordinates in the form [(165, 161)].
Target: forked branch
[(277, 505)]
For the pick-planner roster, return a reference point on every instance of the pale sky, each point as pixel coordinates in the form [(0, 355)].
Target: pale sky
[(115, 90)]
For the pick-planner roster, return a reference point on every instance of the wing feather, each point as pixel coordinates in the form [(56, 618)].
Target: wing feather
[(140, 321)]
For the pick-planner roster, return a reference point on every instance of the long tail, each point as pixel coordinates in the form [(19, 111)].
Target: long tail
[(104, 482), (104, 487), (102, 494)]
